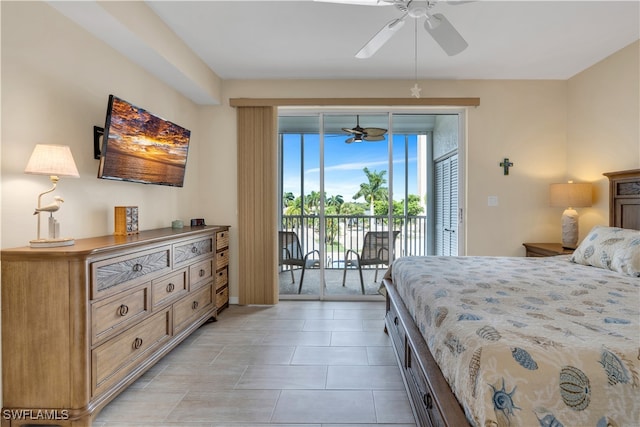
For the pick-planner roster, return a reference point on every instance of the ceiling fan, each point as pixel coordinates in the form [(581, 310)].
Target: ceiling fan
[(364, 134), (436, 24)]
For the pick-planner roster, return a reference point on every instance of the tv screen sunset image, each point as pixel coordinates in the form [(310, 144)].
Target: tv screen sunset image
[(142, 147)]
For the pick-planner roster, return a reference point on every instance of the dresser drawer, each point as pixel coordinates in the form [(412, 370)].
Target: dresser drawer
[(188, 251), (168, 288), (222, 278), (113, 360), (113, 275), (222, 240), (222, 297), (110, 315), (222, 259), (200, 273), (191, 307)]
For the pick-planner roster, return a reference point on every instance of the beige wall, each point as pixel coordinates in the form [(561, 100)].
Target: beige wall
[(603, 130), (56, 79)]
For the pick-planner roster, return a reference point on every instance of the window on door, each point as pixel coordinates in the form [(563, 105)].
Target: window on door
[(348, 179)]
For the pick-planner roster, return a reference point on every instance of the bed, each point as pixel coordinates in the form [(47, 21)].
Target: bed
[(514, 341)]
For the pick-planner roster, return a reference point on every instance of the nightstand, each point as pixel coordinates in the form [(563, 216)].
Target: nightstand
[(546, 249)]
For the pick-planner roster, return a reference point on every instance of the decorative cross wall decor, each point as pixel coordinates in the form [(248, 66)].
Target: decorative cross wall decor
[(506, 164)]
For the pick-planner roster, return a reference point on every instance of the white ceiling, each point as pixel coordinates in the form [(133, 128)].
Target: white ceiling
[(316, 40)]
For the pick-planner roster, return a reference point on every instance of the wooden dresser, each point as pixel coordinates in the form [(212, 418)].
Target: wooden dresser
[(80, 323)]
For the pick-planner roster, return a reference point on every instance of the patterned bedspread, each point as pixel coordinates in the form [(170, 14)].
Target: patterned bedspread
[(529, 341)]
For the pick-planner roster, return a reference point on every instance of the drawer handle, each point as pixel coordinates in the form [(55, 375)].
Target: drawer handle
[(194, 250), (137, 267), (194, 305), (395, 320), (170, 287), (202, 272), (137, 343), (123, 310), (222, 235), (221, 274), (428, 401)]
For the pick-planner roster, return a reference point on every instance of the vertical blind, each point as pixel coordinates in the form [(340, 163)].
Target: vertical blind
[(257, 205)]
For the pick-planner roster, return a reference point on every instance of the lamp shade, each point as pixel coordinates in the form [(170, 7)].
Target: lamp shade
[(576, 195), (54, 160)]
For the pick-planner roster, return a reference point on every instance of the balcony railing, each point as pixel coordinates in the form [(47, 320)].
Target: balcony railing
[(344, 232)]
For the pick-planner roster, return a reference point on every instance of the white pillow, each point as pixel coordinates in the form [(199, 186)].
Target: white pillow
[(627, 261), (610, 248)]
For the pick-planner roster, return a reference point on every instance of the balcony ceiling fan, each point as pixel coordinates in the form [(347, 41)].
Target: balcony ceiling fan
[(436, 24), (360, 134)]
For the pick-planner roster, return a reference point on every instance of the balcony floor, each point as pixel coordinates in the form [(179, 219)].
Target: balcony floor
[(333, 279)]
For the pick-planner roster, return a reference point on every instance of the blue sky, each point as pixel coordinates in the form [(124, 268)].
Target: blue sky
[(344, 164)]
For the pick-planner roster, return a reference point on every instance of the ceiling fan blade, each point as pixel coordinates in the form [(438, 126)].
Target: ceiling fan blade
[(445, 34), (373, 138), (359, 2), (374, 131), (355, 131), (380, 38)]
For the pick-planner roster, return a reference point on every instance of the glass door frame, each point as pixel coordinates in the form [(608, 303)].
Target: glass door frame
[(320, 113)]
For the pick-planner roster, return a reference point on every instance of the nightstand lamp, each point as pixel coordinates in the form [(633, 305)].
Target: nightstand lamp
[(55, 161), (570, 196)]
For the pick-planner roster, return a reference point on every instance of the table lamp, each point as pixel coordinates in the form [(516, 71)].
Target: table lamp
[(570, 196), (55, 161)]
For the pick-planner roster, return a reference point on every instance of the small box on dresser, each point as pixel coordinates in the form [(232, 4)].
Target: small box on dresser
[(81, 323), (125, 220)]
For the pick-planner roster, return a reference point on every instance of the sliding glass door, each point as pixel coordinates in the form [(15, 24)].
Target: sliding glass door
[(357, 190)]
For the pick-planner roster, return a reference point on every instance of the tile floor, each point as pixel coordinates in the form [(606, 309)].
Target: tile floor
[(295, 364)]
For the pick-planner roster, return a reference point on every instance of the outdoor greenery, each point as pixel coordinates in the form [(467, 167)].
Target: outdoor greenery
[(373, 191)]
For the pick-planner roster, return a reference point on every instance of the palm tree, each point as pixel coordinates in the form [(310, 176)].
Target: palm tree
[(295, 207), (287, 198), (373, 190), (335, 201), (312, 201)]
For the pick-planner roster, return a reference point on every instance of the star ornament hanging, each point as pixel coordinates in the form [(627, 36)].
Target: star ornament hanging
[(415, 91)]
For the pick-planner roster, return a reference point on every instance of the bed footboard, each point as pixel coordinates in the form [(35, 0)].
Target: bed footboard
[(432, 401)]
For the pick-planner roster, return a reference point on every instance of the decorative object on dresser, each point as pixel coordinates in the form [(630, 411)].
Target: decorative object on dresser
[(55, 161), (126, 220), (570, 196), (81, 323), (546, 249)]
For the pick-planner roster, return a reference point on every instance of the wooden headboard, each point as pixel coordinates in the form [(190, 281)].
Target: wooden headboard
[(624, 199)]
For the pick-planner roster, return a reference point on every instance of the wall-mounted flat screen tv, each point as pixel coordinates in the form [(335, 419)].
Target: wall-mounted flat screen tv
[(138, 146)]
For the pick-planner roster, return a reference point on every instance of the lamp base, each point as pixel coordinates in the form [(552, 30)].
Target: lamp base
[(570, 229), (51, 243)]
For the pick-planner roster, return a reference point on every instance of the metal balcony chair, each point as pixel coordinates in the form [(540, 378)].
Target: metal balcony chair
[(290, 253), (375, 251)]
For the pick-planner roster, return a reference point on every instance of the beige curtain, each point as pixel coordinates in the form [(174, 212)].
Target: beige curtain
[(257, 205)]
